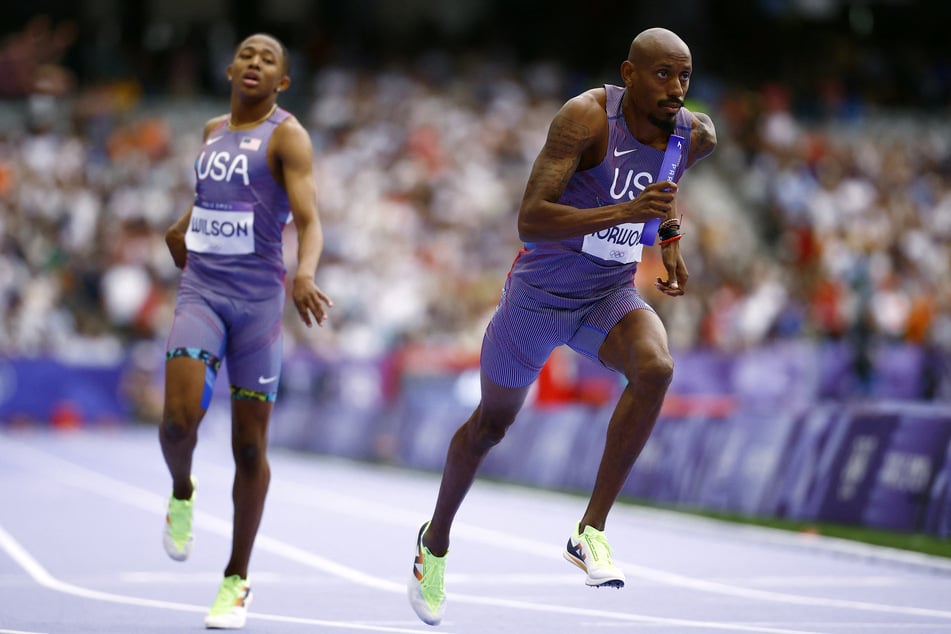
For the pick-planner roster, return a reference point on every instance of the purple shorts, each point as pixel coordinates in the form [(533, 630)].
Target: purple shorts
[(529, 323), (247, 334)]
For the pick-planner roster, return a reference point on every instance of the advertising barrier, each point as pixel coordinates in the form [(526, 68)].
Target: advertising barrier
[(755, 434)]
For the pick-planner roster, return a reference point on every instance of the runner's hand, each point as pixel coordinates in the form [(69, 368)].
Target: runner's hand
[(676, 283), (310, 301)]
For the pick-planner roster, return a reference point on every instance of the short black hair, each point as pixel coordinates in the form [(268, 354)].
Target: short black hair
[(285, 53)]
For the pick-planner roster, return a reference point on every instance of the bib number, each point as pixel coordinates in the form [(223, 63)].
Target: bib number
[(225, 231), (620, 243)]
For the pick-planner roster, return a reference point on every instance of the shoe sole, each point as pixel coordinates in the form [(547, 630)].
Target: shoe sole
[(414, 592), (419, 605), (172, 549), (170, 546), (609, 582), (229, 621)]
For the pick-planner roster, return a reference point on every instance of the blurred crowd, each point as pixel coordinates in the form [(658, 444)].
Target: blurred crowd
[(837, 228)]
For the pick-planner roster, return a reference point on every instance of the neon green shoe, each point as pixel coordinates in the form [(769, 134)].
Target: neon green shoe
[(425, 589), (230, 609), (177, 537), (591, 552)]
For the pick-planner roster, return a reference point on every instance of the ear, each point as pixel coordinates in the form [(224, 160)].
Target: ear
[(284, 84), (228, 72), (627, 72)]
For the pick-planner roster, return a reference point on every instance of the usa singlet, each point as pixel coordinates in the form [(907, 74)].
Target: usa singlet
[(239, 214), (572, 292), (231, 295), (604, 259)]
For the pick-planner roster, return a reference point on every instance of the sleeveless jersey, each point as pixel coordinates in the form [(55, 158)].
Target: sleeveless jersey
[(234, 238), (594, 264)]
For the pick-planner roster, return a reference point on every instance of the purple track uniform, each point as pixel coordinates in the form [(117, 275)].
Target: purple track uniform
[(574, 291), (231, 295)]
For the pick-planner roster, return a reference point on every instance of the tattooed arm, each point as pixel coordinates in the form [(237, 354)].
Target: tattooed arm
[(703, 138), (577, 140)]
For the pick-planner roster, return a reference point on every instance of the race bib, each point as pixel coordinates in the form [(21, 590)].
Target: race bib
[(620, 243), (227, 229)]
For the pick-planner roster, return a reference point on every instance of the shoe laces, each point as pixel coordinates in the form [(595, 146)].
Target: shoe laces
[(433, 581), (180, 516), (232, 589), (597, 545)]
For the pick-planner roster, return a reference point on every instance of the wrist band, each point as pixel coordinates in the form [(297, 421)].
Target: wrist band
[(666, 233), (671, 239)]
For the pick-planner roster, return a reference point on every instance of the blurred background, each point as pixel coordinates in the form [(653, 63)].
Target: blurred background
[(813, 348)]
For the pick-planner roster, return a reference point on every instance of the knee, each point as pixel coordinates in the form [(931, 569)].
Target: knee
[(486, 432), (178, 426), (655, 369), (488, 436), (249, 456)]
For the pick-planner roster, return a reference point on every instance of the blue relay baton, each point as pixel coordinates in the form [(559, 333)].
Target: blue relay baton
[(668, 168)]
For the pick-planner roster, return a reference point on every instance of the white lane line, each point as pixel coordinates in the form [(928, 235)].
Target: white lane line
[(822, 543), (86, 479), (91, 481), (373, 509), (41, 576), (94, 482)]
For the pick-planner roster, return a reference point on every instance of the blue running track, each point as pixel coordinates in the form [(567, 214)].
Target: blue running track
[(80, 551)]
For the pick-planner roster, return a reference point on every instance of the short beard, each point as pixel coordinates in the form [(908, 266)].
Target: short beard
[(667, 125)]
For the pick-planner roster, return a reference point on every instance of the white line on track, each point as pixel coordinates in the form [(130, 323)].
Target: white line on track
[(91, 481), (41, 576), (378, 511)]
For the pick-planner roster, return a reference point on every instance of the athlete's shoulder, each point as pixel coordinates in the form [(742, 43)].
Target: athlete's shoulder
[(215, 123), (586, 109), (291, 138), (703, 137), (290, 129), (593, 99)]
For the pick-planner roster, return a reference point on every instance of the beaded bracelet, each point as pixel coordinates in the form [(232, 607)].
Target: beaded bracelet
[(669, 231)]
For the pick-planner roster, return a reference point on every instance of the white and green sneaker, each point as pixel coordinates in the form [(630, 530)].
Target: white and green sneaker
[(591, 552), (177, 537), (425, 589), (230, 609)]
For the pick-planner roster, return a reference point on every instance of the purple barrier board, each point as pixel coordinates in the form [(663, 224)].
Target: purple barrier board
[(334, 407), (938, 516), (553, 448), (675, 459), (846, 471), (795, 484), (899, 495), (427, 415), (43, 390), (747, 462)]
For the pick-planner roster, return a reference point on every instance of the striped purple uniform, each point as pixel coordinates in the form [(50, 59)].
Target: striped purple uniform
[(231, 295), (572, 292)]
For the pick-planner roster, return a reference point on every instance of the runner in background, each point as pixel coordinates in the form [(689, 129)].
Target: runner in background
[(254, 171)]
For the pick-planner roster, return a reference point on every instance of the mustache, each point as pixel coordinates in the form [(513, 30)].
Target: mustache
[(670, 102)]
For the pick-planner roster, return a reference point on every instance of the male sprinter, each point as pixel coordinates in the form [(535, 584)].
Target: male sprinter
[(592, 189), (253, 171)]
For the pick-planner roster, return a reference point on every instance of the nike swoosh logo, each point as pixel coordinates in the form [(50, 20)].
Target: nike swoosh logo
[(213, 139), (618, 152), (265, 381)]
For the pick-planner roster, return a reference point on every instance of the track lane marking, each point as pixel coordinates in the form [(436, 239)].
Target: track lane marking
[(106, 486)]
